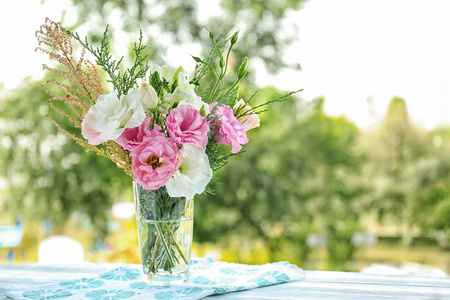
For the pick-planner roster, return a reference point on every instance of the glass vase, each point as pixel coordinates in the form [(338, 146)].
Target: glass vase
[(164, 226)]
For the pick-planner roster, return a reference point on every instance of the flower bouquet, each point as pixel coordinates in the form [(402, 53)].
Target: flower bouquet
[(161, 125)]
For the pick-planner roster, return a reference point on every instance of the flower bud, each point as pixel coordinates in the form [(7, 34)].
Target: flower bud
[(148, 96), (234, 38), (221, 62), (203, 111), (243, 68)]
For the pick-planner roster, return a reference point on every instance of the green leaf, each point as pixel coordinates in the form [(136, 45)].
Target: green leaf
[(198, 59)]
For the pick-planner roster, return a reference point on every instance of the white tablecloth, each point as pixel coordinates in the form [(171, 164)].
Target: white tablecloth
[(312, 285)]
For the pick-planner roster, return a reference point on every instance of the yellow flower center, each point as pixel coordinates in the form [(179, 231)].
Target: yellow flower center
[(153, 160)]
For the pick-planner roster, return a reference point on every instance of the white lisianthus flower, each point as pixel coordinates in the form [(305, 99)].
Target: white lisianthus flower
[(110, 116), (195, 102), (148, 96), (193, 175), (184, 94), (180, 94), (165, 71), (184, 90)]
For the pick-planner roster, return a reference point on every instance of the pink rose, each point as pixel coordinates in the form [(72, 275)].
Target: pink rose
[(132, 137), (155, 161), (90, 134), (186, 125), (230, 129)]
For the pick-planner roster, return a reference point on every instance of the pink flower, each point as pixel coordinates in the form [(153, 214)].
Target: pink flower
[(246, 115), (90, 134), (132, 137), (230, 129), (155, 161), (186, 125)]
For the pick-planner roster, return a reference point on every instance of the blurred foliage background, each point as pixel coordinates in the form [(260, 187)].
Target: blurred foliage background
[(305, 177)]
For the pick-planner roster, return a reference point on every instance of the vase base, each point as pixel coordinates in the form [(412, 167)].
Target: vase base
[(166, 279)]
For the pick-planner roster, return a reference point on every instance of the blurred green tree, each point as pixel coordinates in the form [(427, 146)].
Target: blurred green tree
[(265, 29), (297, 176), (394, 149), (48, 175), (431, 181)]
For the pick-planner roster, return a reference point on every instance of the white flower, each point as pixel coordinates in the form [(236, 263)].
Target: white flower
[(246, 115), (110, 116), (165, 71), (148, 96), (193, 175), (185, 94), (184, 89), (195, 102)]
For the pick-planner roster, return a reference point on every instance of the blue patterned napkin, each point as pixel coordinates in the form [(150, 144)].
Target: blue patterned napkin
[(207, 277)]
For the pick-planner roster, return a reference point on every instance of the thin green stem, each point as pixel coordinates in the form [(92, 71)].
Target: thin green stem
[(213, 91), (226, 61), (153, 259), (233, 86), (175, 243), (166, 247)]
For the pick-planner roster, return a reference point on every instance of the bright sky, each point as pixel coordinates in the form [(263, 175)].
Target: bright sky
[(352, 51), (19, 19), (358, 54)]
